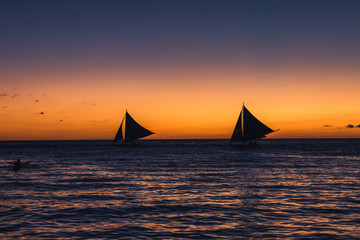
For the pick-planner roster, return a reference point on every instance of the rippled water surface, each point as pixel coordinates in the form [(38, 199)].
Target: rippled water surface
[(181, 189)]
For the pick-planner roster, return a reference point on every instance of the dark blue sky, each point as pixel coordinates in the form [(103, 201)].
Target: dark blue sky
[(46, 32)]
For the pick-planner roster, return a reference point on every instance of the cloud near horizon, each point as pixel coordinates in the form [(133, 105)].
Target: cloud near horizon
[(351, 126)]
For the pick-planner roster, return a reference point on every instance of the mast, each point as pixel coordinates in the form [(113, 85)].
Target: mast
[(242, 121)]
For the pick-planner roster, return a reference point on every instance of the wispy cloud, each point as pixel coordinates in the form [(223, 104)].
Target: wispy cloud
[(3, 94), (36, 101), (351, 126), (15, 95), (85, 103), (99, 122), (327, 125)]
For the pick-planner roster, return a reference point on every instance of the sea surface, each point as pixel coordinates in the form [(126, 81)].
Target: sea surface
[(181, 189)]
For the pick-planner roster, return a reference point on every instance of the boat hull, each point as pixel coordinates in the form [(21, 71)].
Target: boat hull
[(126, 144), (251, 144)]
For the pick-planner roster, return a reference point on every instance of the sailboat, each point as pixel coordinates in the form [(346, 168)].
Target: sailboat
[(248, 129), (129, 131)]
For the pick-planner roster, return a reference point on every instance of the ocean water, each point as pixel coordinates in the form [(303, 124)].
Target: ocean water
[(181, 189)]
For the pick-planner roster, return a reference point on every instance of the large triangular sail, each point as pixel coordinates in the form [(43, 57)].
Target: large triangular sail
[(132, 130), (249, 128)]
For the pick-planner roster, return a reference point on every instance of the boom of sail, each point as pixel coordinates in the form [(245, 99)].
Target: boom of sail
[(249, 128), (130, 130)]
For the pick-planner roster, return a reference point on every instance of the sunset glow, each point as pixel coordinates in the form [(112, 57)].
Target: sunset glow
[(180, 78)]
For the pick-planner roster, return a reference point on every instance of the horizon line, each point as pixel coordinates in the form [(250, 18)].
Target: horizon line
[(164, 139)]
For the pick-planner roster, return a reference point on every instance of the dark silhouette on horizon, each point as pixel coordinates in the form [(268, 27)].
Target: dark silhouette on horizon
[(132, 132), (248, 130)]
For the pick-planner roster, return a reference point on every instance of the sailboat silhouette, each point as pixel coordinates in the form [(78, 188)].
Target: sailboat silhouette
[(130, 131), (248, 129)]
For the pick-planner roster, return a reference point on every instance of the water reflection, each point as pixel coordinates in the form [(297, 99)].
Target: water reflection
[(166, 193)]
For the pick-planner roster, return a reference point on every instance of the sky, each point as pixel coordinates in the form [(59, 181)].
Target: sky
[(182, 69)]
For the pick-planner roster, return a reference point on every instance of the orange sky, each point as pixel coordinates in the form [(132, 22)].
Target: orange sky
[(192, 103)]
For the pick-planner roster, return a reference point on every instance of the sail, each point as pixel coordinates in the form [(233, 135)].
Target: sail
[(119, 134), (252, 127), (237, 134), (249, 127), (133, 130)]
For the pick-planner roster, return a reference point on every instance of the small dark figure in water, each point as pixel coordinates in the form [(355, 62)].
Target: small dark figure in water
[(17, 165)]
